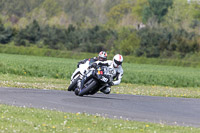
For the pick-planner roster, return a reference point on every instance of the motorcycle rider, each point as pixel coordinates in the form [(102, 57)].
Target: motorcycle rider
[(101, 57), (116, 65)]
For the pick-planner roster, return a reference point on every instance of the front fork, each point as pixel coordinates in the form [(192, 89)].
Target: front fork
[(83, 79)]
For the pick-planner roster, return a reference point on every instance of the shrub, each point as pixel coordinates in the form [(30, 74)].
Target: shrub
[(158, 41)]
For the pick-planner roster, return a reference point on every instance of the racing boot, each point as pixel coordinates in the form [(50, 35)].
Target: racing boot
[(106, 90)]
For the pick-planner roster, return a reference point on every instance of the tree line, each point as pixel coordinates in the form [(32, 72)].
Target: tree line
[(169, 27), (149, 42)]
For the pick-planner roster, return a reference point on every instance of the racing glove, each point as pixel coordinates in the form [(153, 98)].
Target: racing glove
[(94, 65)]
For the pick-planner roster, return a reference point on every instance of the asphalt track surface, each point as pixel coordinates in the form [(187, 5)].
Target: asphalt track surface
[(172, 111)]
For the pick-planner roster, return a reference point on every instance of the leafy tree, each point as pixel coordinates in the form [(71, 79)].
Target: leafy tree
[(137, 9), (157, 9), (80, 10), (117, 12), (73, 37), (184, 42), (110, 4), (179, 14), (60, 20), (5, 34), (33, 32), (96, 38), (18, 7), (127, 42), (53, 37), (157, 40), (183, 16), (149, 45), (30, 34), (51, 7)]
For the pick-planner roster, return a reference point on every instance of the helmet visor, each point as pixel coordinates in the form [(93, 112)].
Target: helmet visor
[(117, 62), (102, 59)]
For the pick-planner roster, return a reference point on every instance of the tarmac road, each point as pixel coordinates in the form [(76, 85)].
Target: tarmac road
[(172, 111)]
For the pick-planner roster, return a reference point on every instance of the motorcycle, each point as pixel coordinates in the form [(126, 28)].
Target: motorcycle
[(97, 79), (78, 73)]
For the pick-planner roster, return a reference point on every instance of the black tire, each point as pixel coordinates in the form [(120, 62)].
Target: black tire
[(73, 85), (94, 92), (87, 89), (76, 91)]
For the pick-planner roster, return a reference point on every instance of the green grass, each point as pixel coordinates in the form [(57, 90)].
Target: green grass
[(21, 50), (10, 80), (162, 75), (22, 120), (54, 73), (62, 68), (37, 66), (191, 60)]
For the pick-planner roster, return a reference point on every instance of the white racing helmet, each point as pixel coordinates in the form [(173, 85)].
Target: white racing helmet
[(117, 60), (102, 56)]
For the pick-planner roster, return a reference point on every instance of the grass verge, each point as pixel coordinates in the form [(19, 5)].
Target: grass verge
[(21, 120), (9, 80), (61, 68)]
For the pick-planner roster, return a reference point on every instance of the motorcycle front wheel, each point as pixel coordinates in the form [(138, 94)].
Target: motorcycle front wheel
[(73, 85), (86, 89)]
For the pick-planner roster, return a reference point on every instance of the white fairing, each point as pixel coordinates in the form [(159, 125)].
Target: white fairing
[(80, 71)]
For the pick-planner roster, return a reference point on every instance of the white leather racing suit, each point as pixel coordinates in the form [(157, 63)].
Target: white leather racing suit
[(117, 74)]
